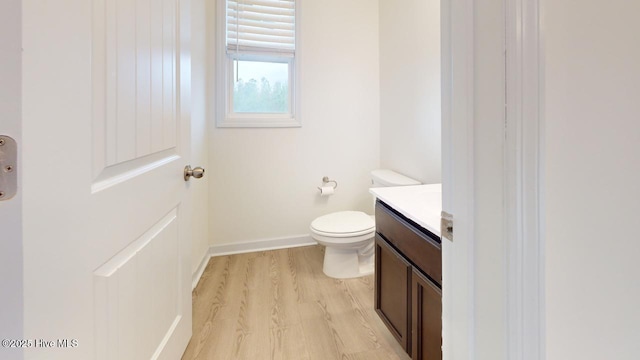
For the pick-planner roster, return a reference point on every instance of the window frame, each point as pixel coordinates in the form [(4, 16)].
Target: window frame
[(225, 116)]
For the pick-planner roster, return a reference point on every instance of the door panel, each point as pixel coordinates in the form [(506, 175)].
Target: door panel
[(139, 298), (137, 304), (107, 243), (134, 86)]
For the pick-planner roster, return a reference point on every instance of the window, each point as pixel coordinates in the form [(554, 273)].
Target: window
[(256, 70)]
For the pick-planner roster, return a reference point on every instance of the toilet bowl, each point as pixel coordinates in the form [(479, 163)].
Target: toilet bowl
[(349, 235), (348, 238)]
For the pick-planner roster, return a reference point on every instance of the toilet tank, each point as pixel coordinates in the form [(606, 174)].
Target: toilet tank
[(386, 177)]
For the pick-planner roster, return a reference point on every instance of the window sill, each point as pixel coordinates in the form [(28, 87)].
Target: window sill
[(258, 123)]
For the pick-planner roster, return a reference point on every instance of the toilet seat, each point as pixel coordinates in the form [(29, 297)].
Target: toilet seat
[(343, 224)]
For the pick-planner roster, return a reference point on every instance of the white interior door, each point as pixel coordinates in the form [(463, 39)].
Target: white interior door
[(106, 218)]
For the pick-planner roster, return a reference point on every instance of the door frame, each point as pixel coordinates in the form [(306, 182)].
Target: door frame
[(522, 174), (11, 255), (458, 263), (524, 171)]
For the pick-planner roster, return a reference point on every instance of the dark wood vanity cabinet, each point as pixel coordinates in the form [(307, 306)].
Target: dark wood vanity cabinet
[(426, 315), (393, 274), (408, 278)]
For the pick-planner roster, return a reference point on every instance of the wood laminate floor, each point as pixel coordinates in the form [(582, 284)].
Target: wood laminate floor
[(280, 305)]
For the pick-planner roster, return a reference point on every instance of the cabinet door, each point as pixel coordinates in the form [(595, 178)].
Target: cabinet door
[(426, 319), (392, 291)]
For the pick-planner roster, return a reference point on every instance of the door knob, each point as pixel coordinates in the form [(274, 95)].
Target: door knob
[(197, 172)]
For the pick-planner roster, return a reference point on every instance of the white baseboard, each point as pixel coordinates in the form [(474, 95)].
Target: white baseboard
[(195, 278), (261, 245), (250, 246)]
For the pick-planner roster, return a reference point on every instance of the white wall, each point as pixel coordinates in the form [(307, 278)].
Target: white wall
[(592, 179), (263, 181), (199, 152), (410, 88)]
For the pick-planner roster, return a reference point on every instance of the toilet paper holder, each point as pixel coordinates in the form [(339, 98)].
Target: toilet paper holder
[(326, 180)]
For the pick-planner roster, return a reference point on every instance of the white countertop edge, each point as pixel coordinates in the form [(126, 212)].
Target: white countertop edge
[(419, 203)]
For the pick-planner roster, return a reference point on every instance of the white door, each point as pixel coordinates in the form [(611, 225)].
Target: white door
[(106, 138)]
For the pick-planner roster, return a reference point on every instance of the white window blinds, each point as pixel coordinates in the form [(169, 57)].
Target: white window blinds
[(261, 26)]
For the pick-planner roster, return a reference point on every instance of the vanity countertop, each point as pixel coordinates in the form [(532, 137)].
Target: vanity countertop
[(420, 203)]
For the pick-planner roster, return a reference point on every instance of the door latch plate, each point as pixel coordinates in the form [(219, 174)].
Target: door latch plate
[(8, 167), (446, 226)]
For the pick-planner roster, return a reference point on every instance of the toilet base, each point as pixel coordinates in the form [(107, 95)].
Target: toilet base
[(342, 263)]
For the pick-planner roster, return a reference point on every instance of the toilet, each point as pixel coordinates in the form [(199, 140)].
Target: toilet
[(348, 235)]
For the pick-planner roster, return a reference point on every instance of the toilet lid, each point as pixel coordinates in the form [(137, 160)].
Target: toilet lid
[(344, 222)]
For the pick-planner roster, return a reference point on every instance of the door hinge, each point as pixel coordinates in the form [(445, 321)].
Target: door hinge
[(446, 226), (8, 168)]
